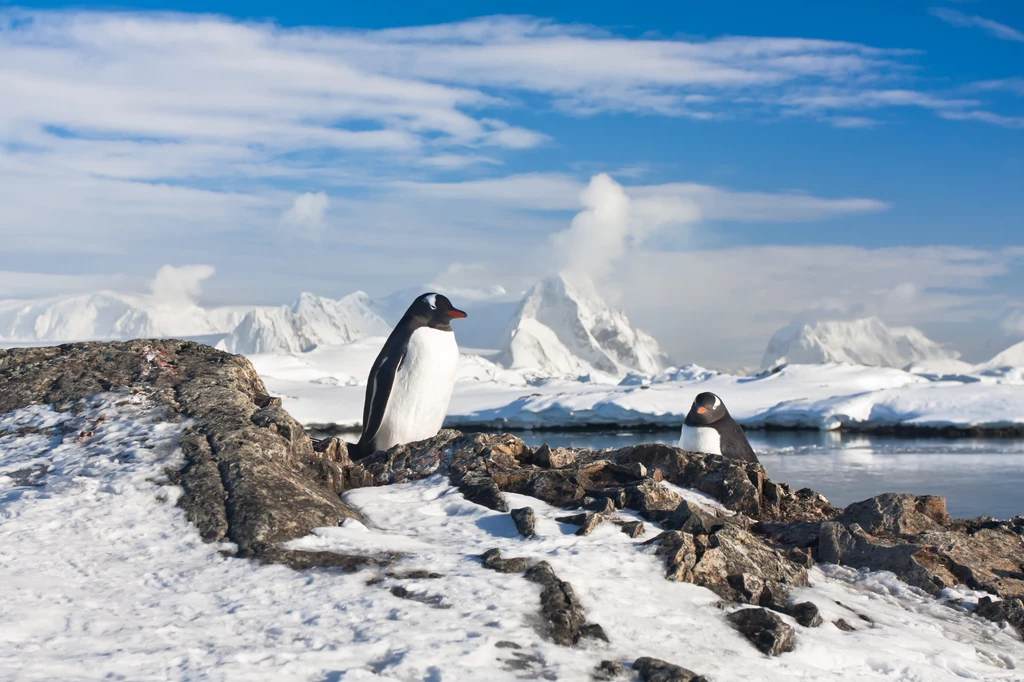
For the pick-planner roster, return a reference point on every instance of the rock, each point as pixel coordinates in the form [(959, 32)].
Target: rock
[(843, 625), (593, 631), (800, 557), (590, 522), (608, 670), (525, 521), (764, 629), (650, 496), (633, 529), (1007, 611), (898, 514), (692, 518), (560, 607), (806, 613), (601, 505), (733, 563), (493, 560), (656, 670), (553, 458), (251, 475)]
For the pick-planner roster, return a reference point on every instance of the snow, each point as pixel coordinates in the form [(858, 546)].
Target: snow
[(109, 316), (567, 329), (104, 578), (823, 397), (866, 341), (1011, 357), (309, 322)]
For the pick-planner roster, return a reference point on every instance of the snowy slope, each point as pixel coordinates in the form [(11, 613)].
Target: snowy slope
[(107, 315), (102, 315), (823, 397), (309, 322), (104, 578), (864, 342), (1011, 357), (567, 329)]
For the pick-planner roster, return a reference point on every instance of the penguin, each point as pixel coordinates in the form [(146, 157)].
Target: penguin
[(709, 428), (411, 381)]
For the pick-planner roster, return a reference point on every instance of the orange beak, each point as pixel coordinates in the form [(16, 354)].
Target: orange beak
[(454, 312), (701, 410)]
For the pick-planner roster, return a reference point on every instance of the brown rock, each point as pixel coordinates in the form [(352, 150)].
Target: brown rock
[(764, 629), (525, 521), (656, 670)]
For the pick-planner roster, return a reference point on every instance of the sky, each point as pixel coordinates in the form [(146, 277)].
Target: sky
[(749, 165)]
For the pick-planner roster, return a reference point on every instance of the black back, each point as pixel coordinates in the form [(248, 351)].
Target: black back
[(708, 410), (429, 310)]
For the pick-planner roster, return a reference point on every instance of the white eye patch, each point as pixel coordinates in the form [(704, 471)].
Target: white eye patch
[(431, 301), (717, 403)]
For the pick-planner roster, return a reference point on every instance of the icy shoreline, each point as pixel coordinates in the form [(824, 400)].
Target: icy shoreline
[(325, 387)]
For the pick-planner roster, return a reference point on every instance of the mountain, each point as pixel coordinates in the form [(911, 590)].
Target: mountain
[(563, 328), (863, 342), (102, 315), (1011, 357), (309, 322), (106, 315)]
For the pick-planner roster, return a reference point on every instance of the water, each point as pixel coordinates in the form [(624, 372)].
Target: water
[(976, 476)]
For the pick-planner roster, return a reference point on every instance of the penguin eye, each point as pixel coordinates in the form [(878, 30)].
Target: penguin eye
[(431, 300)]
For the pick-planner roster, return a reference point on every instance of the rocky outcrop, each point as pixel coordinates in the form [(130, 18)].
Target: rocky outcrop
[(656, 670), (250, 476), (764, 629), (753, 548), (561, 610)]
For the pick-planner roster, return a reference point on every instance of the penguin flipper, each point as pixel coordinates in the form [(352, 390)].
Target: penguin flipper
[(378, 393)]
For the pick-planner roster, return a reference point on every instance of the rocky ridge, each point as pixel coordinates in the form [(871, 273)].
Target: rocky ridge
[(254, 478)]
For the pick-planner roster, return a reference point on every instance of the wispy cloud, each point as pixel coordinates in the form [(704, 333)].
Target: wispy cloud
[(962, 20), (1014, 85), (985, 117), (307, 212), (561, 192)]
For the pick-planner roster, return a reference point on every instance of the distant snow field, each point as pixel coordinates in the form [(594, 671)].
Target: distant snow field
[(565, 358), (104, 578)]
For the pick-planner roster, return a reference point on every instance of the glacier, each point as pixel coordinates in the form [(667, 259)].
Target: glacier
[(866, 341)]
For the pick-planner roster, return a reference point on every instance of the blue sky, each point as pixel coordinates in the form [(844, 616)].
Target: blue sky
[(783, 162)]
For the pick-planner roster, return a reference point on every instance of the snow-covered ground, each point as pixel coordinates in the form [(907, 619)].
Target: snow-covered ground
[(326, 386), (103, 578)]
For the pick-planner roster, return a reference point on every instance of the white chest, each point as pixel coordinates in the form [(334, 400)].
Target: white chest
[(700, 439), (422, 389)]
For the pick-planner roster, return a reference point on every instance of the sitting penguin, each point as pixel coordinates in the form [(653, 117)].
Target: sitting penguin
[(709, 428), (411, 381)]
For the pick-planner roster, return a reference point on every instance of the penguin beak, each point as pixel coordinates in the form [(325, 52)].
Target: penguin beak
[(701, 410), (456, 313)]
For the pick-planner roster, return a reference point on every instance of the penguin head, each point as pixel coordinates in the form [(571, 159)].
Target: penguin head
[(435, 310), (707, 409)]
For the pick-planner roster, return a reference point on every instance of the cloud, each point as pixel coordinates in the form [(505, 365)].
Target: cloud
[(1014, 85), (561, 192), (961, 20), (178, 286), (307, 212), (985, 117), (738, 297)]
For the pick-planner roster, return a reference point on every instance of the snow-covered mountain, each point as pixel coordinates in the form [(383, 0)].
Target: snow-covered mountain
[(106, 315), (311, 321), (564, 328), (1011, 357), (866, 341)]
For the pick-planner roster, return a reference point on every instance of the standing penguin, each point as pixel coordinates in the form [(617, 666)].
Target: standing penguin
[(709, 428), (411, 382)]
